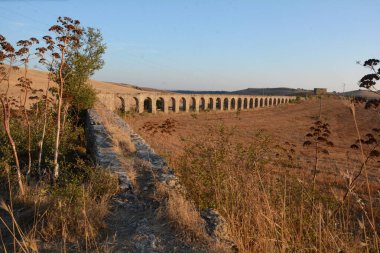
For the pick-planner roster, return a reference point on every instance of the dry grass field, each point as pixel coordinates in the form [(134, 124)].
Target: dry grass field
[(40, 78), (261, 177), (284, 124)]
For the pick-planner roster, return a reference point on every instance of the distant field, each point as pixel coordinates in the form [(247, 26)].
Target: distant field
[(39, 79), (362, 93), (284, 124)]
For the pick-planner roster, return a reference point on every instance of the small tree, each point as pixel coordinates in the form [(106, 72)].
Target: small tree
[(369, 81), (81, 64)]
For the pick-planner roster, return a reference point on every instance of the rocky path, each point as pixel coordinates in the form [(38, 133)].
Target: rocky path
[(137, 222)]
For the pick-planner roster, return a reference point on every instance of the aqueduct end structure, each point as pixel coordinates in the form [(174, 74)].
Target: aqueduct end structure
[(154, 102)]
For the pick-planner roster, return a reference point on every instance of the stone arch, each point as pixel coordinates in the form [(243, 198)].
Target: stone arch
[(256, 102), (282, 101), (148, 105), (239, 104), (172, 105), (218, 104), (160, 104), (225, 104), (120, 104), (266, 102), (245, 103), (182, 104), (251, 103), (193, 104), (202, 104), (270, 102), (261, 102), (233, 103), (286, 101), (135, 105), (274, 101), (211, 104), (278, 101)]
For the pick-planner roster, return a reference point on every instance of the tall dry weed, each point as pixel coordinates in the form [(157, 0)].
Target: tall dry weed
[(267, 208)]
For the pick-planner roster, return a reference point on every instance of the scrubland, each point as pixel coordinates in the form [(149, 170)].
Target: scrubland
[(294, 178)]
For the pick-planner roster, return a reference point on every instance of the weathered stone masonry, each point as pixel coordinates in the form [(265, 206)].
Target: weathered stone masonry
[(100, 146), (154, 102)]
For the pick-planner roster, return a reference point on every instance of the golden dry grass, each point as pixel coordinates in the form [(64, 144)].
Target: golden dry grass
[(40, 78), (123, 143), (271, 210), (284, 124), (181, 213)]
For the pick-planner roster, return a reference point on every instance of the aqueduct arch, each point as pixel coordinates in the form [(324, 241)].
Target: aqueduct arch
[(172, 105), (218, 104), (245, 103), (210, 103), (183, 105), (161, 104), (256, 102), (239, 104), (233, 103), (225, 104), (193, 104), (202, 104), (154, 102), (148, 105)]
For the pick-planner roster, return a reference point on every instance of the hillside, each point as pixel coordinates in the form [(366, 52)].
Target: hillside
[(281, 91), (361, 93), (39, 79)]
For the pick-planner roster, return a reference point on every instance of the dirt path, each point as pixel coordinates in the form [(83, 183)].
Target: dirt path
[(136, 224), (138, 221)]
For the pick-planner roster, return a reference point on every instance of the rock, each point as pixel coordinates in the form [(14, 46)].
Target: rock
[(216, 225), (217, 228), (171, 182), (153, 241)]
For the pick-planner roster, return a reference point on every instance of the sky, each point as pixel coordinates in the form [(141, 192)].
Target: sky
[(217, 44)]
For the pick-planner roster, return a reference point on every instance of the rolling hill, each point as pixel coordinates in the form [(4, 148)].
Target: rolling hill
[(281, 91)]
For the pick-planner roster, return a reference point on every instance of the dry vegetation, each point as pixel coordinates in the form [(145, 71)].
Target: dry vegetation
[(258, 169), (121, 139), (51, 193), (286, 126), (40, 78)]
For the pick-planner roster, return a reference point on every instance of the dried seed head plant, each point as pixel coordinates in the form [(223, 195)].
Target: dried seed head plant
[(29, 119), (8, 56), (25, 85), (67, 31), (318, 136), (369, 144)]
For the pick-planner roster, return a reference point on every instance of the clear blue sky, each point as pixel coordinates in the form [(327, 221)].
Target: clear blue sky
[(217, 45)]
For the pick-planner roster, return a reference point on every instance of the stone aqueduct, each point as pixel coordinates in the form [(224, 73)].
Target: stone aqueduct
[(174, 102)]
